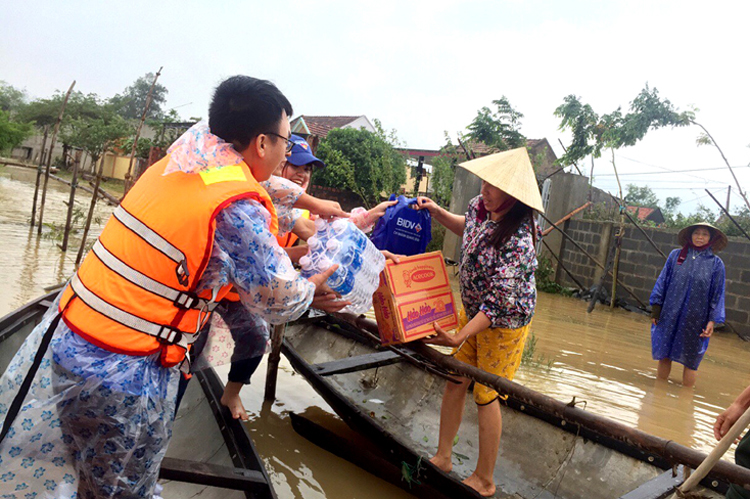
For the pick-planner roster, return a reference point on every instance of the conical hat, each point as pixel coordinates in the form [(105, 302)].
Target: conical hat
[(511, 172), (719, 240)]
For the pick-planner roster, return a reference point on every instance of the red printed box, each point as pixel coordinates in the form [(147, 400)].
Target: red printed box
[(412, 295)]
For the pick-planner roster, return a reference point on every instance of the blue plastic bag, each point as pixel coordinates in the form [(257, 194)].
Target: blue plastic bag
[(403, 230)]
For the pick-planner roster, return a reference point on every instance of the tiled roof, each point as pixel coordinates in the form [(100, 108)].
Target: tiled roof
[(321, 125), (641, 212)]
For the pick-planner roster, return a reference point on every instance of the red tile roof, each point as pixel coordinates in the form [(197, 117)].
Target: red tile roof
[(641, 212), (321, 125)]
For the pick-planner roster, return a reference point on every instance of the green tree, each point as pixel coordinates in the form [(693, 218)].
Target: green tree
[(45, 111), (361, 161), (641, 196), (132, 100), (11, 98), (592, 133), (499, 128), (96, 136), (12, 133)]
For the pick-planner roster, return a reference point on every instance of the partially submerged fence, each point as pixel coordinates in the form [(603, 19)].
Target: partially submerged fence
[(640, 264)]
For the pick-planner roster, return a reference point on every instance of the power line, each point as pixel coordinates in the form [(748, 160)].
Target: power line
[(668, 171)]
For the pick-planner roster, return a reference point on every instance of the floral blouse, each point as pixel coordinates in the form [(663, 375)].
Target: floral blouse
[(498, 282)]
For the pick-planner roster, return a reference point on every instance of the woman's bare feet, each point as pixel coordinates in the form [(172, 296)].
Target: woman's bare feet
[(444, 464), (231, 400), (485, 488)]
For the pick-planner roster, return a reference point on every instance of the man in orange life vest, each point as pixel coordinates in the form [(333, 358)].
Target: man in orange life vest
[(106, 371)]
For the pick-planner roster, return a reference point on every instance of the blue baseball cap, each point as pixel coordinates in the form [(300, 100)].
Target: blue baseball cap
[(301, 153)]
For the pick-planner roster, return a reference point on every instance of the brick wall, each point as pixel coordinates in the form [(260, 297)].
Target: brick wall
[(640, 265)]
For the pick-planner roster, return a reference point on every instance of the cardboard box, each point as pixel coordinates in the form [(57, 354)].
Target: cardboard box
[(411, 296)]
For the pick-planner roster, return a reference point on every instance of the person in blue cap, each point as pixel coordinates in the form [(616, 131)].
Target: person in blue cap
[(248, 328)]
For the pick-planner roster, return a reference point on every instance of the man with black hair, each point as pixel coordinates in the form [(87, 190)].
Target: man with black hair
[(105, 361)]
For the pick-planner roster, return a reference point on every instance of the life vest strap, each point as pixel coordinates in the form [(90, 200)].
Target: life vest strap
[(179, 298), (167, 334), (155, 240)]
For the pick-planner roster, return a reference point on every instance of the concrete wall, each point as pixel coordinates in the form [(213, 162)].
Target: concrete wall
[(566, 193), (640, 265), (466, 186)]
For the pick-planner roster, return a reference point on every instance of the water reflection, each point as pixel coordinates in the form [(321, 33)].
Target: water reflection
[(30, 263), (604, 358)]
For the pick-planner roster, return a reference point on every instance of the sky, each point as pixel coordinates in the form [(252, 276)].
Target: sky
[(422, 68)]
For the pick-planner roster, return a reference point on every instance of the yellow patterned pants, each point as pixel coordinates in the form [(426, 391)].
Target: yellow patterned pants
[(495, 350)]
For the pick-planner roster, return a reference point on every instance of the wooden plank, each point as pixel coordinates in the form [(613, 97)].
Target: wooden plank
[(358, 363), (212, 475), (658, 488)]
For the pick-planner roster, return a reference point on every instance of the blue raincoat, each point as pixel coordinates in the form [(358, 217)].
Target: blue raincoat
[(691, 295)]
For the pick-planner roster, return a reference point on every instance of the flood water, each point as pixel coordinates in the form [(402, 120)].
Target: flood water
[(30, 263), (602, 358)]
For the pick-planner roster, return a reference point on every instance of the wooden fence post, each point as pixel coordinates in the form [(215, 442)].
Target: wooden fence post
[(71, 200), (49, 156)]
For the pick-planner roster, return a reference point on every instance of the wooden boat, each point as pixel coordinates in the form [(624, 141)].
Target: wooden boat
[(211, 454), (549, 449)]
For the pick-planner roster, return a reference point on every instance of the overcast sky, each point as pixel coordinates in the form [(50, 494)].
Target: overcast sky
[(421, 67)]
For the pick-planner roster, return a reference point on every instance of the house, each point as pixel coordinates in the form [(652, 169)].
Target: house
[(315, 128), (644, 213), (542, 156)]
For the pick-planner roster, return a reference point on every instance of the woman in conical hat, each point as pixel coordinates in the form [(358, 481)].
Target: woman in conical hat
[(498, 291), (688, 301)]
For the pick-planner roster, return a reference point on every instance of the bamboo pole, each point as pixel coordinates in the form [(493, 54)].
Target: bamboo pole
[(598, 290), (735, 222), (560, 263), (657, 446), (71, 201), (721, 448), (277, 339), (726, 161), (49, 156), (39, 170), (567, 217), (91, 212), (128, 177), (618, 237), (638, 226), (580, 248), (109, 198)]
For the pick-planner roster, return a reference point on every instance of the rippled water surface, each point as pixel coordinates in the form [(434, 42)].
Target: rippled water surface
[(30, 263)]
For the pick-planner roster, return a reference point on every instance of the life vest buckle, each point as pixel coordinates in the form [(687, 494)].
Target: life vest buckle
[(169, 335), (183, 274)]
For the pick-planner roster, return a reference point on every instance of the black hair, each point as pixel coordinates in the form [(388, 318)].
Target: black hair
[(244, 107), (510, 223)]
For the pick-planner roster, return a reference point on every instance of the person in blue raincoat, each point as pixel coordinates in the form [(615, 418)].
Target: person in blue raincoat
[(688, 301)]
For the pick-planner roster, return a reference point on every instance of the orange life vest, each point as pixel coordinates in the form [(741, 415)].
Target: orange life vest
[(135, 292)]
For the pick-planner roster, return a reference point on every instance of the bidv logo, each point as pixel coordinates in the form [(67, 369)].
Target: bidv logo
[(408, 224)]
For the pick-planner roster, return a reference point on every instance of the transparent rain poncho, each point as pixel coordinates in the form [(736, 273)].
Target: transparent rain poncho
[(97, 423)]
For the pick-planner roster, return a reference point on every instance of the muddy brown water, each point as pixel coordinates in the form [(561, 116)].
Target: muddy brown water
[(601, 358)]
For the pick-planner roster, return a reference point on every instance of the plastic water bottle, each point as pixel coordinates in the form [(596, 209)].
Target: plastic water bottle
[(360, 262)]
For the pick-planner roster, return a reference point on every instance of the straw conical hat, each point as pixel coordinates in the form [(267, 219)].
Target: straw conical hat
[(719, 242), (511, 172)]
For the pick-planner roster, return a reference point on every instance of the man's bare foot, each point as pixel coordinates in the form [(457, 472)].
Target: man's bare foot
[(231, 400), (442, 463), (485, 488)]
